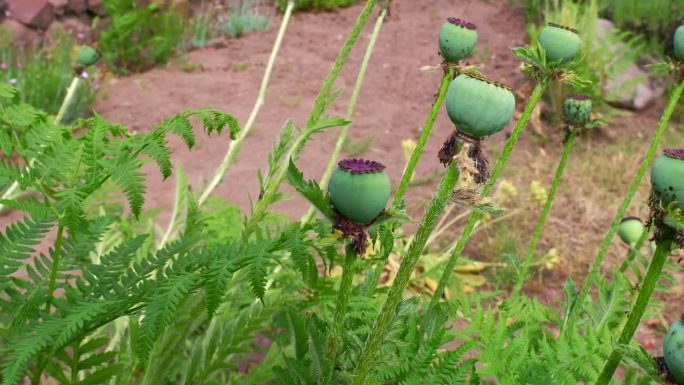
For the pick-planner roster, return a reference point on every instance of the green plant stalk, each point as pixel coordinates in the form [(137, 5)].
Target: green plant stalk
[(322, 98), (342, 303), (235, 145), (603, 250), (382, 324), (55, 265), (180, 184), (634, 250), (643, 297), (11, 191), (424, 135), (319, 107), (496, 171), (68, 98), (570, 140), (350, 108)]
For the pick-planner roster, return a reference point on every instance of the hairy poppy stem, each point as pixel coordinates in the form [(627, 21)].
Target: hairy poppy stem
[(424, 135), (350, 108), (545, 212), (342, 303), (603, 250), (643, 297), (496, 171), (319, 107), (382, 323)]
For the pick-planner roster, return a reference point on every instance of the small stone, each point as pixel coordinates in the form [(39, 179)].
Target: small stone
[(3, 9), (33, 13), (77, 6), (20, 34), (59, 6), (96, 7)]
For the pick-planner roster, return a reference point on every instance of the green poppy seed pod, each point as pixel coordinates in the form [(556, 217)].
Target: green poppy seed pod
[(457, 39), (577, 108), (560, 43), (678, 42), (359, 189), (479, 107), (87, 55), (631, 229), (667, 177), (673, 350)]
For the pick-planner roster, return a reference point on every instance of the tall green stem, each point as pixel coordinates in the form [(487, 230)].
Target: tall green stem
[(603, 250), (545, 212), (424, 135), (496, 171), (55, 265), (236, 144), (319, 107), (415, 156), (71, 93), (350, 108), (342, 302), (432, 214), (643, 297)]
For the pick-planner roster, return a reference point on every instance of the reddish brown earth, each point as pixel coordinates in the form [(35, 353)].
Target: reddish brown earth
[(392, 106)]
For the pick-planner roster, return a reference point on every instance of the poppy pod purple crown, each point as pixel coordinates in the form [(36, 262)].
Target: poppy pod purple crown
[(360, 166), (462, 23)]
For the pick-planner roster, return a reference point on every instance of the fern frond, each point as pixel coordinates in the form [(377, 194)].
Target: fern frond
[(162, 305)]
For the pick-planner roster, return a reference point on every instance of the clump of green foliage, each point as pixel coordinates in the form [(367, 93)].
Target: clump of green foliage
[(138, 37), (42, 73), (653, 18), (326, 5)]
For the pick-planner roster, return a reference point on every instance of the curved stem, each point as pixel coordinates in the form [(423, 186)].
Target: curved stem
[(603, 250), (415, 156), (424, 135), (342, 302), (496, 171), (71, 93), (643, 297), (545, 212), (320, 104), (382, 324), (236, 144), (55, 265), (350, 109)]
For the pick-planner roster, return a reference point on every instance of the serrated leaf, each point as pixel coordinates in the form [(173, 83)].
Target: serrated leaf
[(310, 190)]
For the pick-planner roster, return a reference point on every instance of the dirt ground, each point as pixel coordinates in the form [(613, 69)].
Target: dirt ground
[(392, 106)]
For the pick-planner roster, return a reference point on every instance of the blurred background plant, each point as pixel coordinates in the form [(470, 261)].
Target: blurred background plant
[(43, 71), (316, 4), (244, 16), (203, 26), (138, 37)]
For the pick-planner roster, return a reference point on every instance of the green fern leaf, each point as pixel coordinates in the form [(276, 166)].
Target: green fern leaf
[(162, 305)]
